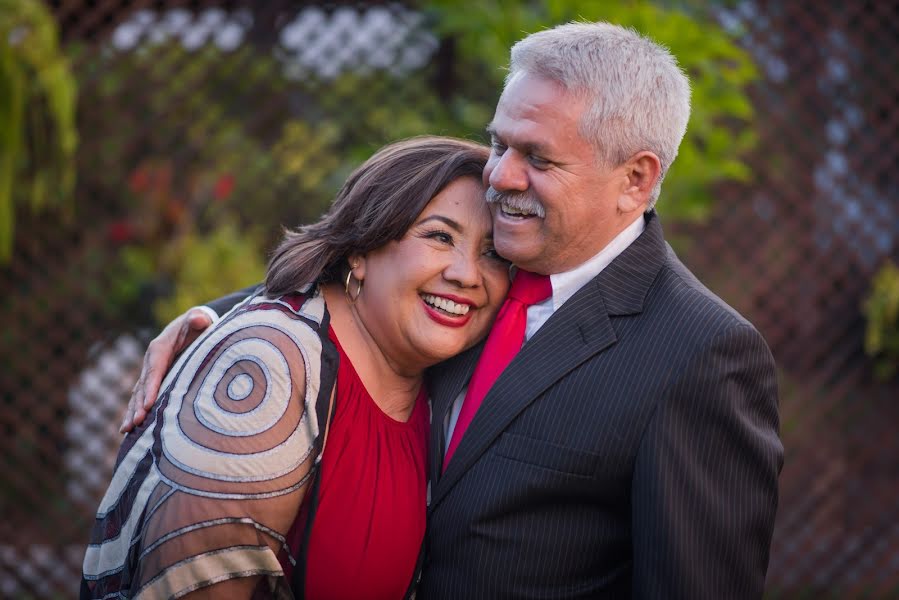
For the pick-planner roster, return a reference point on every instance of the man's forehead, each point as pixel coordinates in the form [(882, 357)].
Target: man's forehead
[(534, 90), (520, 137), (520, 133), (542, 102), (540, 131)]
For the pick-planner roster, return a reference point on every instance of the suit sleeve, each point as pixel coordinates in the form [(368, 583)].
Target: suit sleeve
[(705, 479), (222, 305)]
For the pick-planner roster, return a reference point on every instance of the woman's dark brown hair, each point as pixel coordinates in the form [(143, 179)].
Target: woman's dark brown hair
[(378, 203)]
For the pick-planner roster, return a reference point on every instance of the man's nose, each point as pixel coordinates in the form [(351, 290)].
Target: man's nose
[(509, 173)]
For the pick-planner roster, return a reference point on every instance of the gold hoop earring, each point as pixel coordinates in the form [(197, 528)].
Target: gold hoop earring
[(351, 298)]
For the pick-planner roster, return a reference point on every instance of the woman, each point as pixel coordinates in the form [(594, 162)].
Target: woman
[(226, 489)]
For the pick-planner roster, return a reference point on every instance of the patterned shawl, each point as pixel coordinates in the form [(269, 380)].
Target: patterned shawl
[(207, 489)]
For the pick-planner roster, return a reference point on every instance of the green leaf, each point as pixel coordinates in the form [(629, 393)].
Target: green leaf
[(881, 309), (37, 93)]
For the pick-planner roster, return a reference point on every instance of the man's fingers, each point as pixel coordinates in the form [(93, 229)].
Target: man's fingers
[(133, 402), (137, 404), (140, 413), (137, 396), (197, 321), (128, 420), (160, 355), (152, 381), (162, 352)]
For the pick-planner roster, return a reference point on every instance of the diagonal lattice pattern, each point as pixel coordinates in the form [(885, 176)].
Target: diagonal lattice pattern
[(206, 125)]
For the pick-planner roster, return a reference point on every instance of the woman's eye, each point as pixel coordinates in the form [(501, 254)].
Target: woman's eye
[(440, 236)]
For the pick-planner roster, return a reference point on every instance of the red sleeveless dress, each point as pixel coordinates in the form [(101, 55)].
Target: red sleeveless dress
[(370, 520)]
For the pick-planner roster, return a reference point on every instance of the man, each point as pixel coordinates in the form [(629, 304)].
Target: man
[(630, 448)]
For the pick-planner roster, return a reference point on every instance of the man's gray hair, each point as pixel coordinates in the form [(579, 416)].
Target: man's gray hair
[(638, 97)]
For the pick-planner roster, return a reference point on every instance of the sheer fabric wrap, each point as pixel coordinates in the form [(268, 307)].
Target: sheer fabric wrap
[(207, 489)]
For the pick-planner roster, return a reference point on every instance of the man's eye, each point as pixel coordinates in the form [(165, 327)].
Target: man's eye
[(540, 163), (498, 148)]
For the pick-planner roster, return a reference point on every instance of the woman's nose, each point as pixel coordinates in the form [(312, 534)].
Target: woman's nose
[(463, 270)]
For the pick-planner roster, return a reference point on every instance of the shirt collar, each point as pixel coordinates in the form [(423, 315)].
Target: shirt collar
[(566, 284)]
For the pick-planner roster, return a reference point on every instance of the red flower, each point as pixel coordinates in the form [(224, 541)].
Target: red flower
[(120, 232), (223, 187), (139, 180), (174, 210)]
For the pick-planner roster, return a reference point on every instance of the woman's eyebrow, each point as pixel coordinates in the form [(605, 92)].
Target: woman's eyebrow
[(446, 220)]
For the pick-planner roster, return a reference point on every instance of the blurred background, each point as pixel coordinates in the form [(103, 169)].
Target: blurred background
[(151, 150)]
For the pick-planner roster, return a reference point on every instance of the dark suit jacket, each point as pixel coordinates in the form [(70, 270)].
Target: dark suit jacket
[(630, 450)]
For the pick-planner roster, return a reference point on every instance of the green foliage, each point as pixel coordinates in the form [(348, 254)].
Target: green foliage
[(181, 245), (881, 309), (200, 174), (720, 130), (237, 138), (210, 266), (38, 135), (284, 166)]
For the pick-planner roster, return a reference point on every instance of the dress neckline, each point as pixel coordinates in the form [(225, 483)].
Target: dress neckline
[(420, 399)]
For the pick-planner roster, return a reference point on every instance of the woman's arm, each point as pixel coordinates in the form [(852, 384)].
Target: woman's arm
[(231, 588), (162, 351), (205, 492)]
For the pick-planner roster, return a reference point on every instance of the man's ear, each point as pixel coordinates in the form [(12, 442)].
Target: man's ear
[(642, 170)]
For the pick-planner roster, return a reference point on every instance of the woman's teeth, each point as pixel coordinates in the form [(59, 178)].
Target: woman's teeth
[(446, 305)]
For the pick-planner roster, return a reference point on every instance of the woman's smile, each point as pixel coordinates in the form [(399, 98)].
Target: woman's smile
[(451, 311), (434, 293)]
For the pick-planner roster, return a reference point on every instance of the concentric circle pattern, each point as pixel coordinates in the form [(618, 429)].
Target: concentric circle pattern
[(236, 411), (209, 489)]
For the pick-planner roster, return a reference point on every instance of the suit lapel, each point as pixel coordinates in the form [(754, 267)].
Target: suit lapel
[(580, 329), (445, 381)]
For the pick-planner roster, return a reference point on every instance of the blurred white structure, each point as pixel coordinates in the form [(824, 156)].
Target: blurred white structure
[(97, 402), (316, 42)]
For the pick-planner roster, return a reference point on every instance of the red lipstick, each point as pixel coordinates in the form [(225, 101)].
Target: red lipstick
[(443, 318)]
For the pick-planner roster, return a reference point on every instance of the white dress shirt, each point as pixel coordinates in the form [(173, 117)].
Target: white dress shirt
[(564, 285)]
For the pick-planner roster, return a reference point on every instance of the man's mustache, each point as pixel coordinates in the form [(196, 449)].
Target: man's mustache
[(525, 201)]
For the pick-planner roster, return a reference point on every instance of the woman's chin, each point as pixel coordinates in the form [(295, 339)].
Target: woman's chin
[(444, 349)]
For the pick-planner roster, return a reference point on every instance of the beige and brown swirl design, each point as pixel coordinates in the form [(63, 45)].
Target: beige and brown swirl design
[(209, 491)]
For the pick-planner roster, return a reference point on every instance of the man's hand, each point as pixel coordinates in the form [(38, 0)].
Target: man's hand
[(161, 353)]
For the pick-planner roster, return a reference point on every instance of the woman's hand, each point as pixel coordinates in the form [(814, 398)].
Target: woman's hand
[(161, 353)]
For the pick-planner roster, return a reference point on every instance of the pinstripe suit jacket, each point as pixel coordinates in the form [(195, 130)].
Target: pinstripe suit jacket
[(630, 450)]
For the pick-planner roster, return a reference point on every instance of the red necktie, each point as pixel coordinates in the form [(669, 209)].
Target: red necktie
[(503, 343)]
